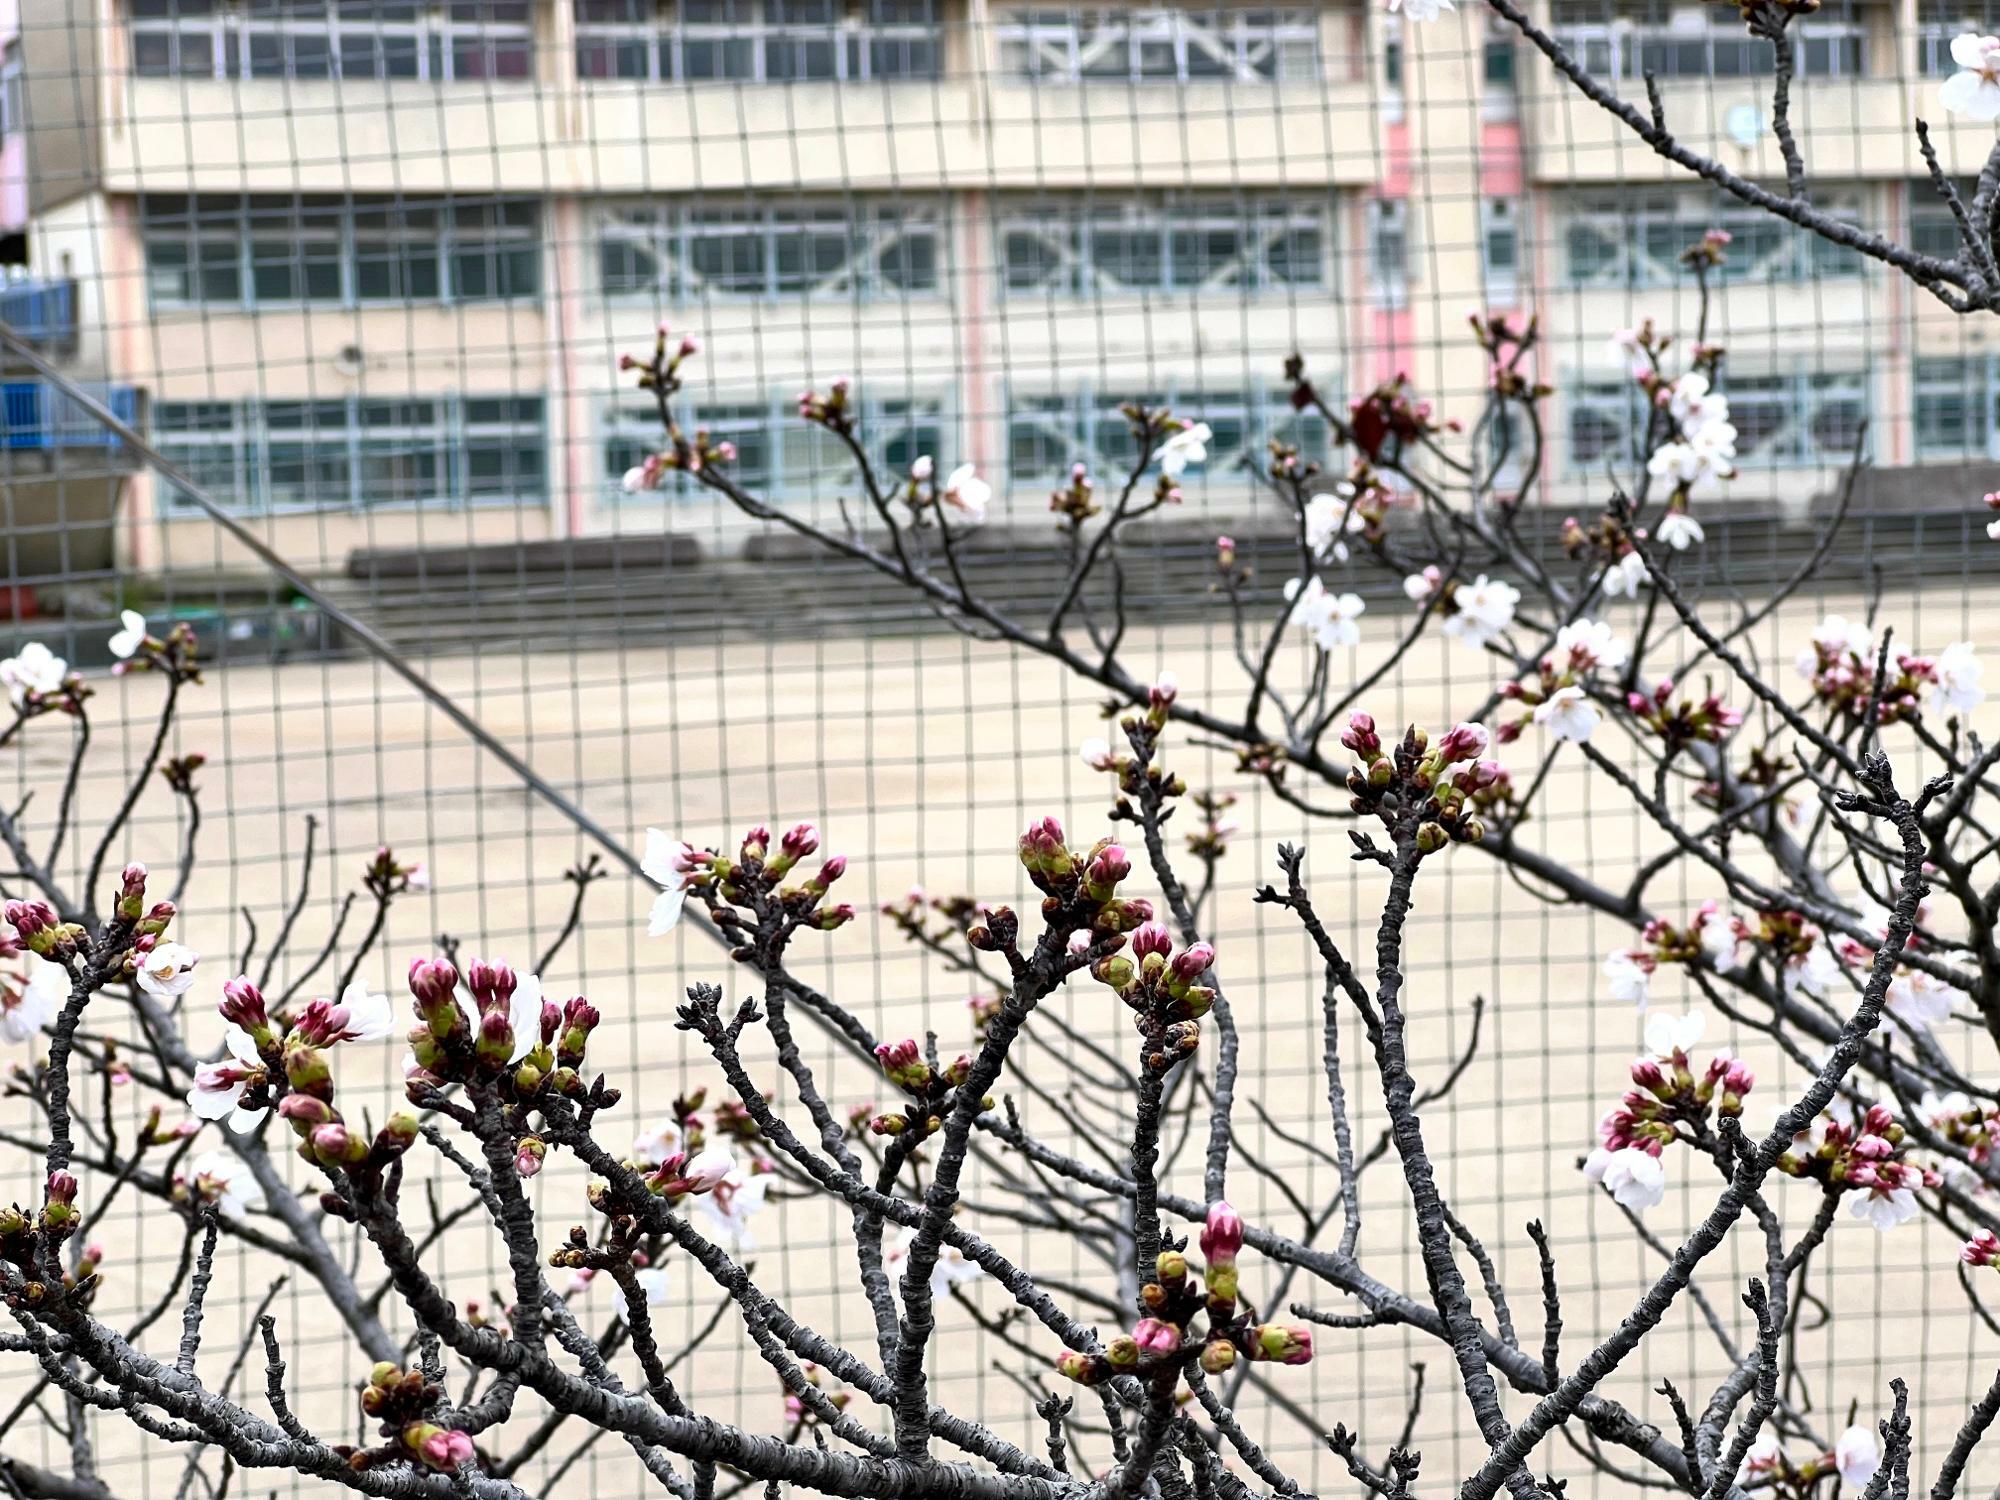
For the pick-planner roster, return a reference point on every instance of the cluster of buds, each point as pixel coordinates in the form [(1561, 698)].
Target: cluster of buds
[(1604, 540), (1972, 1128), (1983, 1249), (1507, 348), (38, 929), (387, 876), (33, 1241), (1805, 960), (406, 1405), (983, 1008), (660, 370), (1711, 937), (1082, 885), (1558, 695), (927, 1084), (1166, 1341), (1840, 664), (1389, 419), (1447, 783), (1288, 465), (1209, 840), (1164, 990), (1173, 442), (1138, 769), (519, 1042), (834, 410), (1868, 1157), (1075, 502), (308, 1103), (750, 894), (176, 654), (1683, 723), (1666, 1091), (178, 771), (798, 1415), (1708, 252)]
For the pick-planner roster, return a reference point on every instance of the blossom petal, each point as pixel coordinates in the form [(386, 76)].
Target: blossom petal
[(666, 912)]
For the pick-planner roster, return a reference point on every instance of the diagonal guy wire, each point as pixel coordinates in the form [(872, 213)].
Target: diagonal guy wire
[(362, 632)]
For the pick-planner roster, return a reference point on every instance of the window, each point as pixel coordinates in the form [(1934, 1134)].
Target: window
[(219, 250), (1635, 239), (1957, 412), (766, 41), (358, 452), (854, 249), (1048, 433), (1073, 247), (13, 116), (1939, 21), (1676, 39), (1389, 251), (779, 457), (305, 39), (1793, 420), (1500, 248), (1151, 43)]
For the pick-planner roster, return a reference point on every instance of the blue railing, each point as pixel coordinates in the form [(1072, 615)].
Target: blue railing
[(42, 312), (35, 416)]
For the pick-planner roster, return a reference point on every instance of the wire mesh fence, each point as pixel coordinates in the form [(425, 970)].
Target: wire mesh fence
[(360, 271)]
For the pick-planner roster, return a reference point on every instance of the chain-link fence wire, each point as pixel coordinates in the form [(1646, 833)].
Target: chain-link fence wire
[(363, 272)]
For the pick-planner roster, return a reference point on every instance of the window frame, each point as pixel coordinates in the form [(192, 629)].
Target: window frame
[(239, 38), (433, 230), (1071, 231), (854, 37), (450, 437), (1047, 46), (872, 231)]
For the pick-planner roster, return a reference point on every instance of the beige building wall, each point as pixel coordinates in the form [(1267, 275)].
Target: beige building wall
[(973, 146)]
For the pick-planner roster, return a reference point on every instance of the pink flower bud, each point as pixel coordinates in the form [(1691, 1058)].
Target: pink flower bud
[(1462, 742), (1110, 866), (1192, 962), (1646, 1073), (1222, 1234), (1281, 1342), (800, 841), (304, 1109), (62, 1188), (528, 1155), (1164, 691), (1156, 1337), (1361, 737), (30, 917), (1983, 1249), (243, 1004), (832, 869), (1151, 938), (445, 1449), (432, 980)]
